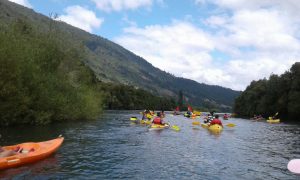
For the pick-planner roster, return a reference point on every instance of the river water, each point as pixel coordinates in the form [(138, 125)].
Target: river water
[(114, 148)]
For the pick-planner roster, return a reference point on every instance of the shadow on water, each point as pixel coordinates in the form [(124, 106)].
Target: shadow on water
[(112, 148)]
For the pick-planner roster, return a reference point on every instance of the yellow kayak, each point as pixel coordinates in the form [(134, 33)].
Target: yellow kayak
[(215, 128), (158, 126), (145, 122), (205, 125), (198, 113), (273, 121)]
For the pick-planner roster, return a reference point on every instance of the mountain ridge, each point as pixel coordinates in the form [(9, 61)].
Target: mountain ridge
[(113, 63)]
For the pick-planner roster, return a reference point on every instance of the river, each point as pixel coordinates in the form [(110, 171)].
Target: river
[(114, 148)]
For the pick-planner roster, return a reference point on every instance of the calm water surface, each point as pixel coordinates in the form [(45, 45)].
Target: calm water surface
[(114, 148)]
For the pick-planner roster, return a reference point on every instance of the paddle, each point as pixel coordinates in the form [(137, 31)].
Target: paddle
[(196, 123), (271, 118), (133, 118), (230, 125), (174, 127), (294, 166)]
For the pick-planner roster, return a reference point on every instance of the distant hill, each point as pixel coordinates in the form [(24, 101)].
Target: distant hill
[(112, 63)]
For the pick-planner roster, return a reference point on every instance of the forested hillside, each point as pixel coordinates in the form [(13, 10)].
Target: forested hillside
[(278, 94), (112, 63)]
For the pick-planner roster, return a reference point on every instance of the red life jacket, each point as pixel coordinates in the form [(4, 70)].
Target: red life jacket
[(216, 121), (157, 120)]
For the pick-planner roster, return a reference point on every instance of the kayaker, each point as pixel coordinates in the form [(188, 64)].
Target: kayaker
[(208, 119), (158, 119), (6, 153), (145, 114), (216, 121), (163, 113), (275, 116)]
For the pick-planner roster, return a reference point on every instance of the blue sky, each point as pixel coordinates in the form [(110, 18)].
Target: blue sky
[(218, 42)]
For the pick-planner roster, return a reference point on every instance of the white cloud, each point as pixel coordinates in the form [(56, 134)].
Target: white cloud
[(82, 18), (119, 5), (22, 2), (261, 30), (242, 41), (215, 21)]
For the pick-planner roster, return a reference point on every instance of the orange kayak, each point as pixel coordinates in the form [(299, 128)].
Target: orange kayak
[(30, 152)]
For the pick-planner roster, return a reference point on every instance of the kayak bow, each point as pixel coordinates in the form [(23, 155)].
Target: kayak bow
[(31, 152)]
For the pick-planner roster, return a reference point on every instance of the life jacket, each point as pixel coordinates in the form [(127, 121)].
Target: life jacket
[(216, 121), (157, 120)]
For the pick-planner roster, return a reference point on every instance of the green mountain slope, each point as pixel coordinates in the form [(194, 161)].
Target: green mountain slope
[(112, 63)]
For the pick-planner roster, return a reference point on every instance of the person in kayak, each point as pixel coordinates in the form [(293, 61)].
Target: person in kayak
[(158, 119), (6, 153), (216, 121), (163, 113), (208, 118), (146, 115), (225, 116)]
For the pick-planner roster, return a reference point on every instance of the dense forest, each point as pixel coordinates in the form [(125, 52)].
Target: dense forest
[(120, 97), (277, 94), (43, 80)]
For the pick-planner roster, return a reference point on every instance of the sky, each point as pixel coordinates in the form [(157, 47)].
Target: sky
[(218, 42)]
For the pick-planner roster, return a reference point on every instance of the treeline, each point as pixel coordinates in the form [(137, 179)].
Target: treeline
[(278, 94), (122, 97), (42, 79)]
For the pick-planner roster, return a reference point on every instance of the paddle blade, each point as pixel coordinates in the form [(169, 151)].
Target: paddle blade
[(176, 128), (294, 166), (230, 125), (133, 118), (196, 123)]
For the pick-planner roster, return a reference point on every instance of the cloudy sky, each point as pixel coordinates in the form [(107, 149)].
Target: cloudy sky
[(218, 42)]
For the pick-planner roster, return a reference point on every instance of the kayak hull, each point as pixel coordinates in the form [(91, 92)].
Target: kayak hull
[(205, 125), (215, 128), (145, 122), (273, 121), (158, 126), (41, 150)]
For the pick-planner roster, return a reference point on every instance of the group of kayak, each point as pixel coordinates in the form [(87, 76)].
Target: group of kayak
[(212, 123), (154, 120)]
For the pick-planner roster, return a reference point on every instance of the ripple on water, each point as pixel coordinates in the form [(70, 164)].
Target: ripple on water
[(114, 148)]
